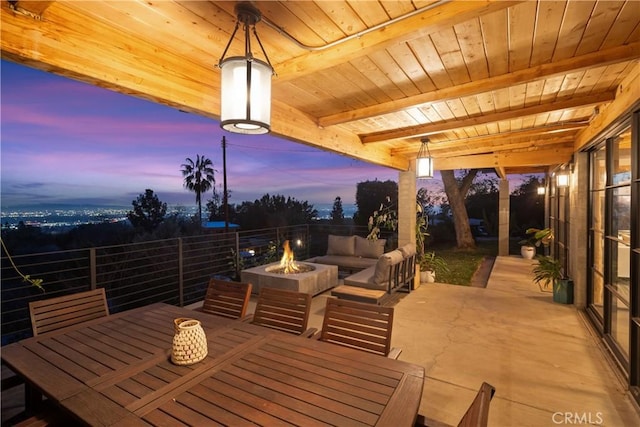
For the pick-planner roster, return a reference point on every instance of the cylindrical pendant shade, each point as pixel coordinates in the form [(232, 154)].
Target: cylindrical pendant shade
[(424, 167), (245, 95)]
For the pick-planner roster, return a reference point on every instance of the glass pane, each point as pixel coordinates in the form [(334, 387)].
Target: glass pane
[(597, 210), (622, 158), (559, 231), (621, 260), (598, 163), (620, 324), (621, 214), (598, 251), (598, 292)]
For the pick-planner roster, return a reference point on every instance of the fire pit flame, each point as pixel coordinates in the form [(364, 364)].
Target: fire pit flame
[(287, 263)]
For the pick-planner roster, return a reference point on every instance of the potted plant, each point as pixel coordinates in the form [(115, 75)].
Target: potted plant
[(535, 237), (549, 271), (430, 263)]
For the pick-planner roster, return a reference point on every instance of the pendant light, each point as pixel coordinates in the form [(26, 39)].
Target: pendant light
[(424, 162), (245, 105)]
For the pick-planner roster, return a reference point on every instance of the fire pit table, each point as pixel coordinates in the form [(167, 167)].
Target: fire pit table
[(319, 278)]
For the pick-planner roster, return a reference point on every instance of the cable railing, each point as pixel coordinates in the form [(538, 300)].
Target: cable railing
[(174, 271)]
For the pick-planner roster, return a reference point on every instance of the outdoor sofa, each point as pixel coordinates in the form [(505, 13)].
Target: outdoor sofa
[(369, 265), (351, 253)]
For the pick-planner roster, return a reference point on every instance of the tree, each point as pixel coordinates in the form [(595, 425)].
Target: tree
[(483, 200), (527, 206), (148, 212), (215, 207), (337, 214), (199, 178), (274, 211), (428, 202), (457, 191), (370, 195)]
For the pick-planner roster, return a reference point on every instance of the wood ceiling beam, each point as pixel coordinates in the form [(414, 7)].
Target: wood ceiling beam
[(527, 170), (543, 71), (501, 172), (291, 124), (31, 8), (503, 137), (46, 45), (627, 97), (547, 107), (505, 147), (431, 21), (545, 157)]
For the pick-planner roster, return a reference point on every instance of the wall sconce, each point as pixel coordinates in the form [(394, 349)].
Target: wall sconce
[(541, 190), (245, 105), (424, 161), (562, 179)]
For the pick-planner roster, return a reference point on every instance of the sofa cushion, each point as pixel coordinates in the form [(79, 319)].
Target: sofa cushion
[(345, 262), (366, 248), (408, 250), (386, 260), (364, 279), (341, 245)]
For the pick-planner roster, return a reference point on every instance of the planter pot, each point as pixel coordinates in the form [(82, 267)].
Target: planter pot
[(563, 291), (427, 276), (528, 252)]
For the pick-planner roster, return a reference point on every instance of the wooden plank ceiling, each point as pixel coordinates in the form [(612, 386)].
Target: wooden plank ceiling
[(506, 84)]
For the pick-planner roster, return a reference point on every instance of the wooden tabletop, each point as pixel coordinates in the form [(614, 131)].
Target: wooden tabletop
[(117, 371)]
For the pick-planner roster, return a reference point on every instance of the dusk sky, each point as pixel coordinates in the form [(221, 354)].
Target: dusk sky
[(69, 143)]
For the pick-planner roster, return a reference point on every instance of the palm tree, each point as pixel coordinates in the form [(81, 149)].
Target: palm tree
[(199, 178)]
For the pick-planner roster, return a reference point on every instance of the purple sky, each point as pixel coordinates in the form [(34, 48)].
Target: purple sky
[(69, 143)]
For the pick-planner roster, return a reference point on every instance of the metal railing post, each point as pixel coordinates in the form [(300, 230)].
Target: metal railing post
[(180, 273), (307, 238), (237, 254), (92, 268)]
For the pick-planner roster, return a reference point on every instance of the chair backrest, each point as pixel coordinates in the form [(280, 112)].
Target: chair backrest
[(55, 313), (227, 299), (283, 309), (478, 413), (358, 325)]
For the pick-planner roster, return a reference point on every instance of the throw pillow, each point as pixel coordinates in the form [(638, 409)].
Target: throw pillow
[(341, 245), (381, 274), (366, 248)]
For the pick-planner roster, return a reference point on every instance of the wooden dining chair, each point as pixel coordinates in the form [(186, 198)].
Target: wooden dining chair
[(227, 299), (51, 314), (359, 325), (284, 310), (477, 414)]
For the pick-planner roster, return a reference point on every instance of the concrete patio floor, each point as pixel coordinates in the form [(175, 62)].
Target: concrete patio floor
[(541, 357)]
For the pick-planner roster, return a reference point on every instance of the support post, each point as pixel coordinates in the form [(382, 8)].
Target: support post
[(503, 219), (406, 207)]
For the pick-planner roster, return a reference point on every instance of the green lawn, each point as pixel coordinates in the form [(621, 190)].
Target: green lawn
[(463, 264)]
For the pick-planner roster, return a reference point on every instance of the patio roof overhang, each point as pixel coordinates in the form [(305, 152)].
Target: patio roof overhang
[(509, 85)]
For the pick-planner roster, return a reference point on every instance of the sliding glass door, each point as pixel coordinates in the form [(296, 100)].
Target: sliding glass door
[(614, 257)]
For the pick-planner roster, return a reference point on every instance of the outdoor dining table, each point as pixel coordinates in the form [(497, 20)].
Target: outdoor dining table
[(117, 370)]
